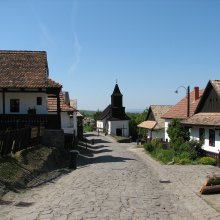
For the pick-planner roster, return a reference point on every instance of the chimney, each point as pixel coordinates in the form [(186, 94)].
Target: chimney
[(196, 93), (66, 98)]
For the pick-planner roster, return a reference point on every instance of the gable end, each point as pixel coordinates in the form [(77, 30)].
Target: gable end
[(210, 101), (150, 115)]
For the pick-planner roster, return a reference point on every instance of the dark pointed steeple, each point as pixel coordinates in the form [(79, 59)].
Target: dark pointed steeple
[(116, 97), (116, 90)]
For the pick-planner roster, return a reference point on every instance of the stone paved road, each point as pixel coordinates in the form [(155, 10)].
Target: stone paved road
[(117, 183)]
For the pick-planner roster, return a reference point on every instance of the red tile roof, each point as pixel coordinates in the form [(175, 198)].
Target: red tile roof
[(179, 110), (52, 104), (25, 69)]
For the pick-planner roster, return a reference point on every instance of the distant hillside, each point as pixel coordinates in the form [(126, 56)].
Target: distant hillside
[(87, 112), (132, 110), (91, 112)]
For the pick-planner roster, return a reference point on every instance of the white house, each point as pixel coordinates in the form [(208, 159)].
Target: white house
[(68, 113), (154, 124), (179, 111), (205, 123), (113, 119), (24, 88)]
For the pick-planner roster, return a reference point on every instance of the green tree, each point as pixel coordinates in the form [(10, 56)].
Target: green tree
[(135, 119), (177, 134), (96, 115)]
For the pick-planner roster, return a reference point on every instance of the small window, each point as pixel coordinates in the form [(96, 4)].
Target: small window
[(212, 137), (39, 100), (14, 105), (201, 135)]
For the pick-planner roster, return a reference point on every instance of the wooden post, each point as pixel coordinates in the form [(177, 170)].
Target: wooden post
[(218, 159), (3, 101)]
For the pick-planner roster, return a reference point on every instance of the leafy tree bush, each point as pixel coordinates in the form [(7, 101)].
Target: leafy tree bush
[(135, 119), (149, 147), (177, 134)]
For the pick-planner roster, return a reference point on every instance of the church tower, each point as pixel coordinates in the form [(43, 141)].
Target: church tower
[(113, 120), (116, 97), (118, 111)]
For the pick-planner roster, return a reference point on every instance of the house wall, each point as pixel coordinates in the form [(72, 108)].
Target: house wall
[(69, 124), (113, 125), (159, 134), (194, 135), (100, 125), (166, 137), (27, 100)]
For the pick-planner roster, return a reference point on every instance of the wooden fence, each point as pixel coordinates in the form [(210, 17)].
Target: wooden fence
[(16, 140)]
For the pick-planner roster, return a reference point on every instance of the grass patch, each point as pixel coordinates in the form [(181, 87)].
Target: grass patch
[(16, 170)]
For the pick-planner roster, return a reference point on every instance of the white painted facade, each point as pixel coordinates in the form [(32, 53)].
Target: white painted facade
[(69, 122), (100, 125), (26, 101), (124, 125), (194, 135), (167, 122), (156, 134)]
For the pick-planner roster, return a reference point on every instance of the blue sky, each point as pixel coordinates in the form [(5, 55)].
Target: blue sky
[(150, 46)]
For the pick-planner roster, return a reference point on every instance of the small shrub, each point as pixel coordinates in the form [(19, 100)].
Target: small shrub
[(157, 143), (164, 156), (148, 147), (207, 161), (184, 155)]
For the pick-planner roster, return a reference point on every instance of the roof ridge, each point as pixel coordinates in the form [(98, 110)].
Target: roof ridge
[(22, 51)]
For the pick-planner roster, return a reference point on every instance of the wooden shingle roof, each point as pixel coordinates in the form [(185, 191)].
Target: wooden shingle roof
[(158, 111), (25, 69), (203, 119), (158, 122), (216, 85)]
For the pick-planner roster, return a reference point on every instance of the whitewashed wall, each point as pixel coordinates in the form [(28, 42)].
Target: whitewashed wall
[(113, 125), (99, 125), (194, 135), (159, 134), (167, 121), (27, 100), (67, 123), (1, 103)]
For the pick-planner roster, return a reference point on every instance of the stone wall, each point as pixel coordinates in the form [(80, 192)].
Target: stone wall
[(53, 138)]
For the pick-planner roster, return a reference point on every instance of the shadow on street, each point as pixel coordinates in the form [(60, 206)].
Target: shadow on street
[(82, 161)]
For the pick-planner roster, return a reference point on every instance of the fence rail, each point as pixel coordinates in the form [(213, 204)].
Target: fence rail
[(19, 139)]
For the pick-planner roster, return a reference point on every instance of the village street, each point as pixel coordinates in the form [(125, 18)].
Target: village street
[(119, 182)]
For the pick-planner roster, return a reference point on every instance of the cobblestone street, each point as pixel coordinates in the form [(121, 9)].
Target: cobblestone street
[(117, 183)]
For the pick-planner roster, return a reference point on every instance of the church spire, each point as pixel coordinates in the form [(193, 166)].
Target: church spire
[(116, 97)]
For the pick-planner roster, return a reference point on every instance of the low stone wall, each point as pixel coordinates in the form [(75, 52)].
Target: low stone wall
[(53, 138)]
